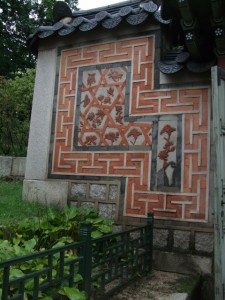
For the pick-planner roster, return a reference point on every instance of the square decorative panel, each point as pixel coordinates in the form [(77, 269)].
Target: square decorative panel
[(110, 122)]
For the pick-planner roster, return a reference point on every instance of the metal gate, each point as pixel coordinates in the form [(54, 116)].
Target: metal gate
[(218, 109)]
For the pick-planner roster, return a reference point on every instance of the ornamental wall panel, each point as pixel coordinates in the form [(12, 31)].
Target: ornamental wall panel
[(110, 122)]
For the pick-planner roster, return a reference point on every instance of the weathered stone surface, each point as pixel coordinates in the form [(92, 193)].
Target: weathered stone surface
[(49, 192), (107, 210), (5, 166), (18, 166), (78, 191), (41, 117), (113, 192), (181, 263), (98, 191), (160, 238), (88, 204), (181, 239), (117, 228), (175, 296), (204, 242)]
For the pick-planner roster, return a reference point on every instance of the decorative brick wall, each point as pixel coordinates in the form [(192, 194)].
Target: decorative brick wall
[(110, 123)]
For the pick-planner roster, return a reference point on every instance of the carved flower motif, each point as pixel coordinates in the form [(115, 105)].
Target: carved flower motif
[(91, 116), (168, 129), (189, 36), (91, 78), (86, 101), (90, 140), (112, 136), (110, 91), (119, 119), (135, 134), (115, 76), (169, 145), (100, 114), (218, 31)]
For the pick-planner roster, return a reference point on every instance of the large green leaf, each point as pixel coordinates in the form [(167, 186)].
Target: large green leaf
[(16, 273), (30, 244), (72, 293), (96, 234)]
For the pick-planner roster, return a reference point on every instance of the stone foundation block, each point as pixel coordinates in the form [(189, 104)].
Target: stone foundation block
[(181, 239), (78, 191), (160, 238), (204, 242), (48, 192), (98, 191), (18, 166), (181, 263), (5, 166)]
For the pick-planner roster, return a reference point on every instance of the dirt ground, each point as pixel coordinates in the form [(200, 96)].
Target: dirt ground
[(154, 286)]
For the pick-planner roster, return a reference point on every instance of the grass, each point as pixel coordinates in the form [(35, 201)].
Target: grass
[(188, 285), (12, 208)]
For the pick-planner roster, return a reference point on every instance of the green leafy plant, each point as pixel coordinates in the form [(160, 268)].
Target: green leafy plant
[(54, 229)]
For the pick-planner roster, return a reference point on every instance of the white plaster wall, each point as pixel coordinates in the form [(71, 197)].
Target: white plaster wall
[(41, 117)]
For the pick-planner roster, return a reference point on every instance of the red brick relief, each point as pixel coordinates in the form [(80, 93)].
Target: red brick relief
[(110, 122)]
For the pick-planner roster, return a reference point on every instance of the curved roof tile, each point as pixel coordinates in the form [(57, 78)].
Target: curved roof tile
[(134, 12)]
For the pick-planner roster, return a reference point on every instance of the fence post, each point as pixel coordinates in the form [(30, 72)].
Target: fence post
[(150, 222), (86, 252)]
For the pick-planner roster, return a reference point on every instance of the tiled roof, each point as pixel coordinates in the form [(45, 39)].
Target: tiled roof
[(195, 32), (133, 12)]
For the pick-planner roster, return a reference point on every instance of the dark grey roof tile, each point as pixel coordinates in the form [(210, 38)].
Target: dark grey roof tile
[(87, 26), (79, 20), (66, 31), (149, 6), (169, 68), (112, 22), (45, 34), (137, 19), (126, 10), (102, 15), (134, 12), (158, 17)]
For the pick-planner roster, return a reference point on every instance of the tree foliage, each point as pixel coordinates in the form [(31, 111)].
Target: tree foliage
[(15, 108), (18, 19)]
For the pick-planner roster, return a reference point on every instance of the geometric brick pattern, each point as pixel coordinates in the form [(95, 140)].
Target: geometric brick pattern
[(102, 94), (144, 105)]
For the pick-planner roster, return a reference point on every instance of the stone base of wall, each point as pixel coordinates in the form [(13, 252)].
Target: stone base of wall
[(12, 166), (48, 192), (102, 195), (178, 246), (182, 263)]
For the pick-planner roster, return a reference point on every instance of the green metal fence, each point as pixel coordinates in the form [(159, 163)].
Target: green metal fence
[(106, 264), (120, 258)]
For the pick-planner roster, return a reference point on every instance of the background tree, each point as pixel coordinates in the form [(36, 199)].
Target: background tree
[(15, 107), (18, 19)]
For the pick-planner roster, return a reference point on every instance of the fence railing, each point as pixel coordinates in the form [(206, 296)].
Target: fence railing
[(106, 264)]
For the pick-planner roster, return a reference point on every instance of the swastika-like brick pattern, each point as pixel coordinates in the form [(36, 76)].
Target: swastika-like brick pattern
[(145, 108)]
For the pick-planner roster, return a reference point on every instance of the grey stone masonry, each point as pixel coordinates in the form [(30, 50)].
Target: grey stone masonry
[(48, 192), (18, 166), (78, 191), (98, 191), (160, 238), (204, 242), (12, 166), (5, 166), (181, 239), (107, 210)]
